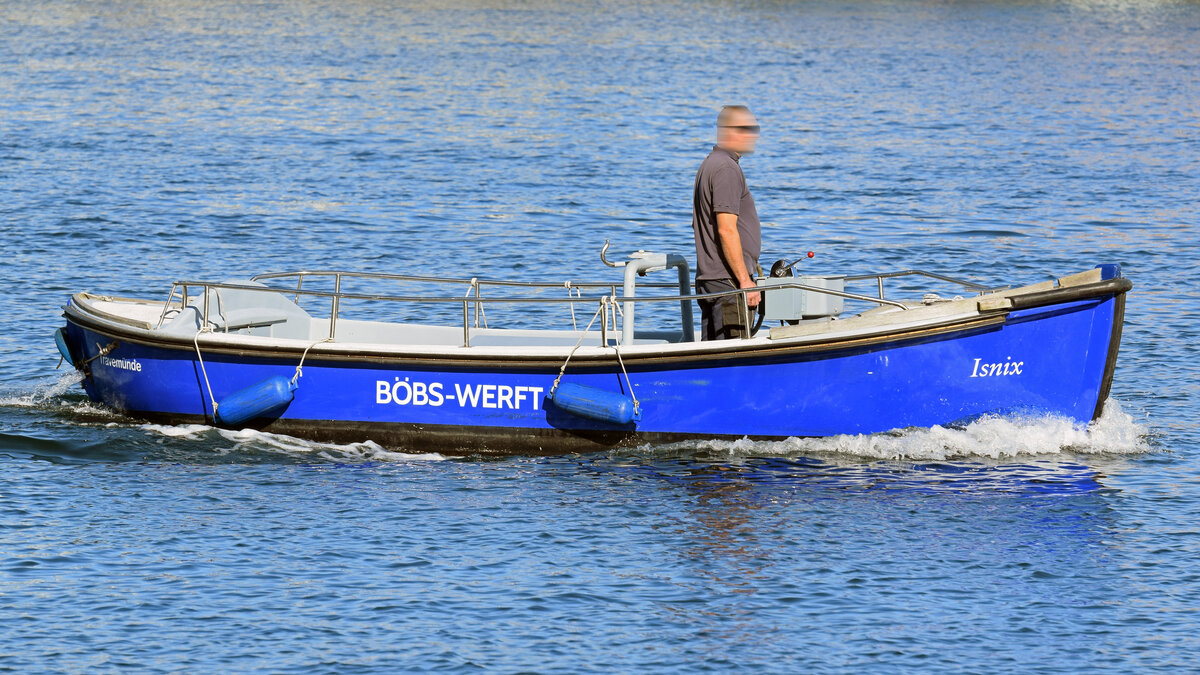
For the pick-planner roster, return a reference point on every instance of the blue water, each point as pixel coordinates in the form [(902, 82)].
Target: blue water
[(1007, 142)]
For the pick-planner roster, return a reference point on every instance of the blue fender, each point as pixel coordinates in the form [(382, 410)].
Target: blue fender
[(596, 404), (60, 338), (268, 398)]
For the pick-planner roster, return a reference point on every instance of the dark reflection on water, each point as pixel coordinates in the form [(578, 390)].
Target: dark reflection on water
[(777, 545), (774, 476)]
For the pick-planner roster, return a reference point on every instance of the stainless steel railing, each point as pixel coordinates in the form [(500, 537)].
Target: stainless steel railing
[(969, 285), (608, 304)]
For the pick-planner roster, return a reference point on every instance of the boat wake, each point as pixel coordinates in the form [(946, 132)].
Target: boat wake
[(44, 392), (1116, 432), (251, 442), (59, 397), (988, 438), (53, 395)]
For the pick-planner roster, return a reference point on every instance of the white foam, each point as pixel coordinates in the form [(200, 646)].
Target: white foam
[(191, 431), (47, 392), (51, 394), (87, 408), (1116, 432), (250, 440)]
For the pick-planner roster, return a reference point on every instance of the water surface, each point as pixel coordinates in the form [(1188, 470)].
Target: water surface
[(1006, 142)]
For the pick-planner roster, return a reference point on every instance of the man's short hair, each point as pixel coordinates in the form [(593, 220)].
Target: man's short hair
[(728, 111)]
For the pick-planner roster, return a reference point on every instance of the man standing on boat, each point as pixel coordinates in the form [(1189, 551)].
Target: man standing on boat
[(728, 237)]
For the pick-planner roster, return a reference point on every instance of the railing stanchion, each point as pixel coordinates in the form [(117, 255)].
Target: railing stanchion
[(333, 311), (206, 294), (880, 280), (613, 310), (166, 306), (604, 322), (466, 324)]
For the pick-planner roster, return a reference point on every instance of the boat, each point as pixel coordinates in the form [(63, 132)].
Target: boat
[(480, 367)]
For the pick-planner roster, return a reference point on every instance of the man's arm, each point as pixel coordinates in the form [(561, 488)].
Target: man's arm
[(731, 249)]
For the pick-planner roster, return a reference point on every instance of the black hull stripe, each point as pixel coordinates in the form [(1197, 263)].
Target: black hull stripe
[(1114, 346), (459, 440)]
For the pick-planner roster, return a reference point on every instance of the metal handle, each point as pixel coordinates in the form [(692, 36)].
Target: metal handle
[(604, 259)]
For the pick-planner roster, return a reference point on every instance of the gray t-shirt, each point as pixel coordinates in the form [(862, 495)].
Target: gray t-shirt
[(721, 188)]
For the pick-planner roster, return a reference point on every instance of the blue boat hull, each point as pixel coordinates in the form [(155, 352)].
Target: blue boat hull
[(1054, 356)]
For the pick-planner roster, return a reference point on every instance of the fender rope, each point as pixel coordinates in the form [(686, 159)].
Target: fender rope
[(577, 293), (303, 356), (196, 343), (603, 302), (628, 385)]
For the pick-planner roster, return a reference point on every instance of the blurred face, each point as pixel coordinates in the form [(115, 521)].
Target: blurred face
[(739, 133)]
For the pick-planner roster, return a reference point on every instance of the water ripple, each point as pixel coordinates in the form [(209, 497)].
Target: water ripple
[(1003, 142)]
